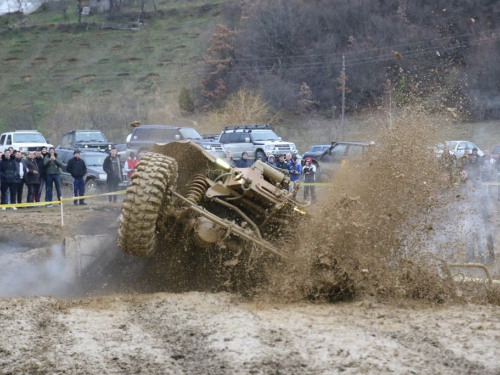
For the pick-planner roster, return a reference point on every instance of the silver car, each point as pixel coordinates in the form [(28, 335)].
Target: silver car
[(457, 148)]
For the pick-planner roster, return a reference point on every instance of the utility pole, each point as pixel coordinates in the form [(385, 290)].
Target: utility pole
[(343, 98)]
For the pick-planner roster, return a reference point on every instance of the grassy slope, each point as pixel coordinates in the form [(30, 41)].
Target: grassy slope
[(57, 60)]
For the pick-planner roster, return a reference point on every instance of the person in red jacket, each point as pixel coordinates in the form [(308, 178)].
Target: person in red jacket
[(130, 165)]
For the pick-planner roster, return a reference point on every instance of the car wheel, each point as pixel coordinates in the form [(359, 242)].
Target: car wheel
[(91, 187), (260, 154), (318, 177)]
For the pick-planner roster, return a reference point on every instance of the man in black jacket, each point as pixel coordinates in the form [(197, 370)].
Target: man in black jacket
[(243, 162), (32, 176), (22, 176), (43, 173), (112, 167), (39, 162), (10, 171), (77, 169)]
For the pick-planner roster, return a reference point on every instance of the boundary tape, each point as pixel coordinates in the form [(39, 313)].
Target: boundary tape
[(37, 204)]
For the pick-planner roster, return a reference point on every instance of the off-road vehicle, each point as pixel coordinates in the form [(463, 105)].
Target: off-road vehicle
[(85, 139), (240, 218), (23, 140), (256, 140)]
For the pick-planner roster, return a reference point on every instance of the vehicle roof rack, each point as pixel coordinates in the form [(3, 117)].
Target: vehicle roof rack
[(247, 127)]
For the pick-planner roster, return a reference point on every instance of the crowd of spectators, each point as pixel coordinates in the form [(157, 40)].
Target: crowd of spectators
[(40, 171), (475, 176), (288, 163)]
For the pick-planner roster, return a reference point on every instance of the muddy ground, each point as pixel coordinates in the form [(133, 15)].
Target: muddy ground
[(219, 333)]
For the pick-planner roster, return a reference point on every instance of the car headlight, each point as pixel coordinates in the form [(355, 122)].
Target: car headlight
[(102, 176), (269, 147)]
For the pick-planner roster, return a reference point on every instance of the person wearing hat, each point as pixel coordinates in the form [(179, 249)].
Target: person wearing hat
[(113, 169), (295, 170), (270, 160), (309, 172), (53, 164), (77, 169), (243, 162), (281, 162)]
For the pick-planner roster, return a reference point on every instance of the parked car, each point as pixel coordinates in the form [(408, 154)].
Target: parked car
[(457, 148), (23, 140), (317, 150), (85, 139), (95, 180), (331, 158), (256, 140), (145, 136)]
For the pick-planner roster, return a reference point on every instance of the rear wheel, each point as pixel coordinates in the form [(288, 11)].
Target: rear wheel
[(146, 199)]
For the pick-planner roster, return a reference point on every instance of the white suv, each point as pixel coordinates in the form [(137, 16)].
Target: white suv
[(256, 140), (23, 140)]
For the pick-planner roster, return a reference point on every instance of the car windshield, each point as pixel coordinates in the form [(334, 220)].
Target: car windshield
[(257, 136), (29, 138), (94, 160), (90, 136), (450, 144), (189, 133)]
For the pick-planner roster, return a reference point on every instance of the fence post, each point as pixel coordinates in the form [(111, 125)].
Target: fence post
[(62, 213)]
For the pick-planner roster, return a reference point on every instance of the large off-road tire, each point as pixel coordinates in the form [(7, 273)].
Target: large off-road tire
[(148, 197)]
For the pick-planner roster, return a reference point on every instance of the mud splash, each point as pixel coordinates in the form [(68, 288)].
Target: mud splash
[(374, 227)]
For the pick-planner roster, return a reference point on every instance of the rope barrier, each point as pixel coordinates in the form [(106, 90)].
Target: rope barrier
[(37, 204)]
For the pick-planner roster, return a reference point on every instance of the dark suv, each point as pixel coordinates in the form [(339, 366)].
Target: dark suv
[(330, 159), (85, 139), (145, 136), (95, 180)]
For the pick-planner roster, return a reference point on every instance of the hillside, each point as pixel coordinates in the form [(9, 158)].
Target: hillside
[(112, 69), (56, 66)]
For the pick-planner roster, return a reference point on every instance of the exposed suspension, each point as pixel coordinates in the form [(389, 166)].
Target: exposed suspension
[(197, 189)]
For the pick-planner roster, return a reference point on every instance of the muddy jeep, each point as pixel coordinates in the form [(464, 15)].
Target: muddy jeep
[(181, 191)]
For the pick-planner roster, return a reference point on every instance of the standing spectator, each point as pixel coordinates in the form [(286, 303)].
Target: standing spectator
[(53, 164), (281, 163), (270, 160), (447, 163), (488, 170), (32, 177), (43, 174), (113, 168), (309, 172), (130, 165), (229, 159), (288, 159), (474, 165), (37, 187), (295, 170), (77, 169), (243, 162), (22, 176), (9, 170)]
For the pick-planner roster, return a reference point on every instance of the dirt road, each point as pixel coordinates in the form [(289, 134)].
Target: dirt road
[(201, 333), (196, 333)]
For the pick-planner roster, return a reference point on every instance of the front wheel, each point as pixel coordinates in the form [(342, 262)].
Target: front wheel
[(91, 187), (147, 195)]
